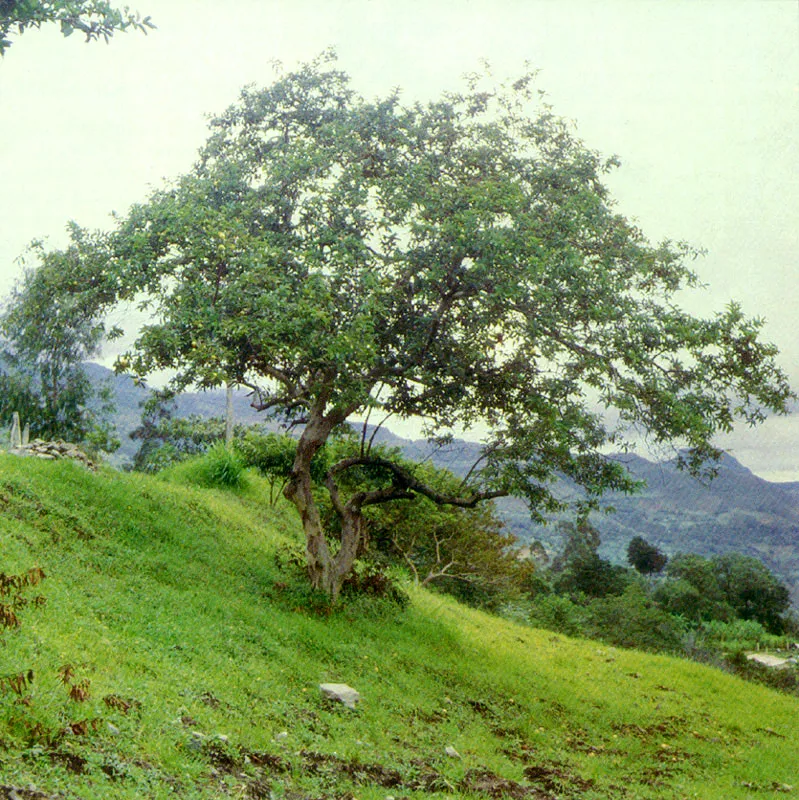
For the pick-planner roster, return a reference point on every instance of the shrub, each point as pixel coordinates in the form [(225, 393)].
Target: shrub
[(219, 468), (557, 613), (634, 620), (739, 634)]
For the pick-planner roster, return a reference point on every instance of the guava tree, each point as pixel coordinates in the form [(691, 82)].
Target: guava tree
[(458, 262)]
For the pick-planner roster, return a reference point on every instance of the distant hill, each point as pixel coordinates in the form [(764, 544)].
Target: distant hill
[(129, 398), (737, 511)]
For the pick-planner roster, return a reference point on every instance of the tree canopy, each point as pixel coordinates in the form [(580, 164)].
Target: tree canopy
[(645, 557), (95, 19), (458, 262), (46, 333)]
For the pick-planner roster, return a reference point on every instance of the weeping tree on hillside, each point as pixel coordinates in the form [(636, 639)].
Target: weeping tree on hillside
[(458, 262)]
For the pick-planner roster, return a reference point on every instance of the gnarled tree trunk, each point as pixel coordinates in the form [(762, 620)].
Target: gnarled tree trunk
[(326, 570)]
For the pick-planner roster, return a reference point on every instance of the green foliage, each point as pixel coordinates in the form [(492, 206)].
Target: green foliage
[(558, 613), (645, 557), (737, 634), (46, 332), (580, 571), (732, 584), (683, 598), (461, 551), (632, 619), (272, 455), (166, 439), (698, 572), (179, 437), (155, 451), (220, 468), (752, 590), (93, 18)]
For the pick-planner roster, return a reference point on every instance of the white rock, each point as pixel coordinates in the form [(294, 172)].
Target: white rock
[(341, 692), (451, 751)]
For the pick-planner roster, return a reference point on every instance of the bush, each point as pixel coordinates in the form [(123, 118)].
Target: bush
[(272, 455), (739, 634), (370, 581), (557, 613), (682, 598), (634, 620), (219, 468)]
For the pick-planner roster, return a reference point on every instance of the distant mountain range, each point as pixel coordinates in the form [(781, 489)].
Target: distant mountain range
[(736, 511)]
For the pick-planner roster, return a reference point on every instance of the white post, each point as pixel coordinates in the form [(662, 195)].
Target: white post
[(229, 417), (16, 434)]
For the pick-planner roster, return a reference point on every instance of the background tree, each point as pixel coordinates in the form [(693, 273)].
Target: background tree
[(752, 590), (726, 586), (645, 557), (48, 330), (273, 455), (93, 18), (457, 262), (579, 571)]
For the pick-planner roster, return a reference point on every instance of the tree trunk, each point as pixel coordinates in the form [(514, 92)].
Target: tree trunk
[(326, 571), (299, 491)]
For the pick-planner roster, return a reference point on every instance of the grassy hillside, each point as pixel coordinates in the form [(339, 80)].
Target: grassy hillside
[(179, 612)]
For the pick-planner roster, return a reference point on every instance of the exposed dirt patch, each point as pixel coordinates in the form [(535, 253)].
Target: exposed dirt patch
[(329, 765), (544, 782), (666, 727), (486, 783), (556, 779), (18, 793), (209, 700), (70, 761)]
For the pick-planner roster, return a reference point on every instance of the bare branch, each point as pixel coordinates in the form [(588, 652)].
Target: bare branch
[(405, 486), (377, 428)]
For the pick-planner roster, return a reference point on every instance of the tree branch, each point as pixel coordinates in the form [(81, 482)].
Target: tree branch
[(405, 485)]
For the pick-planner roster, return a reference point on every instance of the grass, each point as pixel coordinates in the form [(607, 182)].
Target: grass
[(203, 651)]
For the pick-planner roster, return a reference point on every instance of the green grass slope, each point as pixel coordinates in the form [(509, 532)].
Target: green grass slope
[(201, 658)]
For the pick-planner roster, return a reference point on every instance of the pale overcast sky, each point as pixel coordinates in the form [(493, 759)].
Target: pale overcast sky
[(699, 99)]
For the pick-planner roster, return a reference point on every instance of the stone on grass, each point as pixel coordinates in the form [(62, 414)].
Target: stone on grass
[(451, 751), (341, 693), (196, 741)]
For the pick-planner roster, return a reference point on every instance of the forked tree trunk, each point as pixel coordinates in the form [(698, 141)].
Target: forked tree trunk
[(326, 570)]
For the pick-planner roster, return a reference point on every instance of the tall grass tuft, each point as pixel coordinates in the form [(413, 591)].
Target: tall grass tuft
[(220, 468)]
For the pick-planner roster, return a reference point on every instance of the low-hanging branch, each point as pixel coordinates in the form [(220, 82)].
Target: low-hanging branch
[(404, 486)]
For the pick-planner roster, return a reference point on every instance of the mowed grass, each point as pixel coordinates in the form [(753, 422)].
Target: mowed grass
[(203, 653)]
